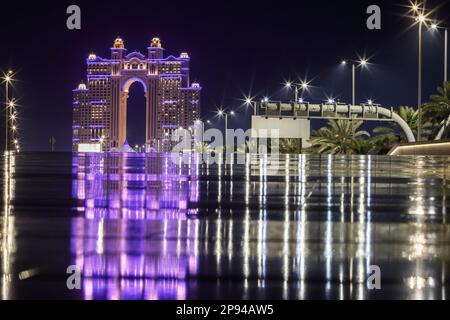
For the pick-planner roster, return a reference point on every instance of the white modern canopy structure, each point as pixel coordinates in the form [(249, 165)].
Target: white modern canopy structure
[(334, 111)]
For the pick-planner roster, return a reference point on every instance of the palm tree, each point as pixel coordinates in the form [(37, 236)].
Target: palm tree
[(389, 136), (340, 137), (437, 111), (290, 146), (202, 147), (247, 147)]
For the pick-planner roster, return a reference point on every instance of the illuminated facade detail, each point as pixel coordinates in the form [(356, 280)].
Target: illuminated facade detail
[(100, 105)]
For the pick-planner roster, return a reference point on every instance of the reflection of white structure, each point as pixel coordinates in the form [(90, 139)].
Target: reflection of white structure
[(306, 111), (89, 147)]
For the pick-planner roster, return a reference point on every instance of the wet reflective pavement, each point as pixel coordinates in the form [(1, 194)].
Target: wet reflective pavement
[(301, 227)]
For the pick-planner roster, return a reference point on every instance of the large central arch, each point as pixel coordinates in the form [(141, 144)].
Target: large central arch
[(124, 94)]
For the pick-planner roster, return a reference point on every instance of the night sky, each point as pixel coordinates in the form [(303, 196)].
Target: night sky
[(237, 47)]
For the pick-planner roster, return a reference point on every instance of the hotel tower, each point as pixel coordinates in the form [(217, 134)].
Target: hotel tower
[(100, 103)]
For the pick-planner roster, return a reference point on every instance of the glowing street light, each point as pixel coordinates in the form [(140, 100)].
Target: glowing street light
[(303, 85), (7, 79), (249, 102), (421, 18)]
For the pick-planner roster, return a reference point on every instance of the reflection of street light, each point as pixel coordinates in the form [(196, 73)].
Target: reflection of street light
[(363, 63)]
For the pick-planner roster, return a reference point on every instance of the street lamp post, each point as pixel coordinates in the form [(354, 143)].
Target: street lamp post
[(249, 102), (361, 63), (304, 85), (353, 84), (445, 54), (421, 20), (224, 114), (436, 27), (7, 79)]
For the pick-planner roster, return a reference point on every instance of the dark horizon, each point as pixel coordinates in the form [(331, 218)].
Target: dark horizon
[(235, 48)]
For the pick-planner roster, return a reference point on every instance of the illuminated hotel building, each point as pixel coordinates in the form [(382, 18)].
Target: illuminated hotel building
[(100, 104)]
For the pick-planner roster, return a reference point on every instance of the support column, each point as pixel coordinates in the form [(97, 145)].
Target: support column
[(122, 118), (151, 111), (115, 107)]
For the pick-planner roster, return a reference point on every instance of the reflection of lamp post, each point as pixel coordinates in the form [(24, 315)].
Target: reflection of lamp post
[(361, 63)]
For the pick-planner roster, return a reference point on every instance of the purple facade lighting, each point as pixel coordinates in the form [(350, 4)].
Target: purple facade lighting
[(171, 99), (128, 201)]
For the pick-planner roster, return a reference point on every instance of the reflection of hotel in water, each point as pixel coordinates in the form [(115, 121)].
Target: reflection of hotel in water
[(130, 204), (315, 228)]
